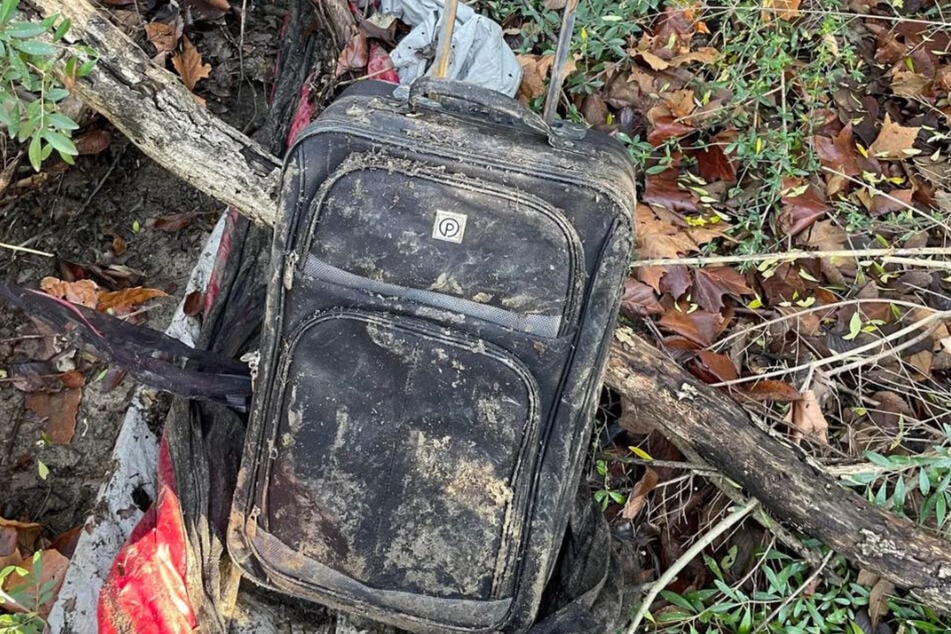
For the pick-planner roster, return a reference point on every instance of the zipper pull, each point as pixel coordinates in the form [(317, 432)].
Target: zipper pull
[(290, 265)]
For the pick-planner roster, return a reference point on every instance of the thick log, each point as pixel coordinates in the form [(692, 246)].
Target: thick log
[(160, 116), (797, 492)]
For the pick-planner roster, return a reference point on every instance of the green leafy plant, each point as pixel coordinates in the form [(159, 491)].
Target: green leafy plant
[(915, 486), (30, 594), (605, 495), (30, 92)]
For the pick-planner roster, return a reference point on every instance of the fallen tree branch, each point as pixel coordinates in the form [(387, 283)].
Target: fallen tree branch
[(698, 417), (161, 117)]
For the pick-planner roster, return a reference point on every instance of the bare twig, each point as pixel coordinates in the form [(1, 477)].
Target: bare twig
[(13, 247), (671, 573), (898, 334), (789, 256)]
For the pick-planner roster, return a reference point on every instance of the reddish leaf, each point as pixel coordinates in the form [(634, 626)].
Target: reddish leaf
[(667, 128), (170, 223), (714, 165), (897, 200), (59, 409), (713, 282), (713, 367), (701, 327), (639, 299), (663, 189), (118, 244), (676, 280), (801, 207), (92, 142), (840, 153), (771, 390), (193, 303)]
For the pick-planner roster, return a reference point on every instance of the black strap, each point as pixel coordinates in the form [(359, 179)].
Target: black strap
[(150, 356)]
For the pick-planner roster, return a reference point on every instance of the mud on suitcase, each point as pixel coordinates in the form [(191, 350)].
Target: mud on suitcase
[(447, 274)]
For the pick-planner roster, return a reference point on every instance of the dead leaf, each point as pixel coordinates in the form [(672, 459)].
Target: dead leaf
[(118, 244), (784, 9), (127, 298), (704, 55), (908, 83), (637, 498), (714, 165), (878, 600), (894, 141), (713, 282), (82, 292), (772, 390), (59, 409), (53, 567), (164, 36), (806, 419), (676, 280), (713, 367), (354, 55), (663, 189), (92, 142), (171, 223), (665, 128), (840, 153), (701, 327), (189, 64), (535, 70), (802, 206), (639, 299)]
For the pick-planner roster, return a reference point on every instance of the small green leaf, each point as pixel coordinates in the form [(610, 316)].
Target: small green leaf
[(855, 327), (7, 9), (35, 47), (57, 94), (35, 152), (924, 482), (61, 30), (60, 142), (42, 470), (61, 121), (136, 226), (23, 30)]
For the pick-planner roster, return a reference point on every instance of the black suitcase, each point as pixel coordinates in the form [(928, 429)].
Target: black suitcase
[(447, 271)]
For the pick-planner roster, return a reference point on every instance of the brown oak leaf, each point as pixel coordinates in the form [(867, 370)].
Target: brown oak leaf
[(894, 141), (189, 64), (713, 282)]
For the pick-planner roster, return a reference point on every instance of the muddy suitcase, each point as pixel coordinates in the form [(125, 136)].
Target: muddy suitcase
[(447, 270)]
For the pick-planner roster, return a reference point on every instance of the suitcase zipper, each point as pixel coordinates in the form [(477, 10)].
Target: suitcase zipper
[(546, 326), (340, 125)]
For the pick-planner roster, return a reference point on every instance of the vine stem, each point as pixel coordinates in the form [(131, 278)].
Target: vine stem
[(13, 247), (789, 256)]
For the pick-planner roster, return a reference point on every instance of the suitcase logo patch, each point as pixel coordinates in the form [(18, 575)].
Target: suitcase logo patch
[(449, 226)]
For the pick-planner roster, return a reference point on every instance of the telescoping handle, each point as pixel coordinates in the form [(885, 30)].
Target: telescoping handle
[(444, 49)]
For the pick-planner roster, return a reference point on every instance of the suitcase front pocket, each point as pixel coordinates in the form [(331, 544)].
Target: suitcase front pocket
[(401, 224), (397, 452)]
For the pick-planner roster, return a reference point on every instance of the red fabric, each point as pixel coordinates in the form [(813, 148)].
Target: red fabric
[(146, 592)]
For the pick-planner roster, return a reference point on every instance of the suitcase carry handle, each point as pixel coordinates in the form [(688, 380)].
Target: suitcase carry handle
[(460, 98)]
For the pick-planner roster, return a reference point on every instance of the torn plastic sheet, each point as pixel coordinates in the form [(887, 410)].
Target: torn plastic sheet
[(479, 52)]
